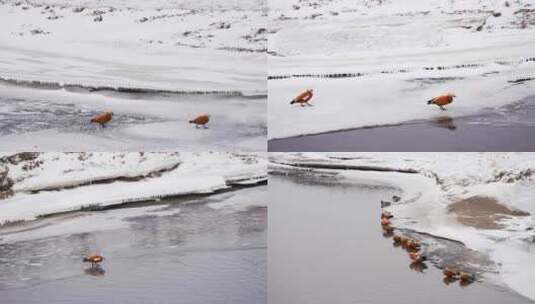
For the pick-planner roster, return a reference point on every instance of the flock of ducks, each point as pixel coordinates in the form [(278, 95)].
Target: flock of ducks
[(103, 118), (414, 250), (440, 100), (302, 99)]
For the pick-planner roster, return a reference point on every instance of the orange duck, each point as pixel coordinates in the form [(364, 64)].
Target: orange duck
[(412, 245), (94, 259), (450, 273), (442, 100), (417, 257), (303, 98), (102, 118), (201, 120)]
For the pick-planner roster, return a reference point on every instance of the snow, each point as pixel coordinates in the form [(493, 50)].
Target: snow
[(67, 170), (58, 120), (156, 64), (157, 44), (399, 54), (83, 223), (242, 200), (445, 178), (77, 187)]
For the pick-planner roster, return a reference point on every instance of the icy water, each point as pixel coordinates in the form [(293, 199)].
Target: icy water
[(504, 129), (326, 246), (197, 251), (36, 119)]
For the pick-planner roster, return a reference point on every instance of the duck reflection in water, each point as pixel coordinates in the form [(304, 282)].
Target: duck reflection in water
[(418, 266), (445, 122), (96, 271)]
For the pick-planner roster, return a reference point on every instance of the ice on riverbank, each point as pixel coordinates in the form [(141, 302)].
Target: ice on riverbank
[(377, 62), (437, 182), (60, 182), (59, 120)]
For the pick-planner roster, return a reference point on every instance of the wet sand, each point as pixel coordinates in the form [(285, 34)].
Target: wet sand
[(185, 253), (507, 129), (483, 212), (326, 246)]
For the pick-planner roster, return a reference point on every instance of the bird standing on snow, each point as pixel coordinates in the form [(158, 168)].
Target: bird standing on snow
[(303, 98), (442, 100), (103, 118), (201, 120), (94, 259)]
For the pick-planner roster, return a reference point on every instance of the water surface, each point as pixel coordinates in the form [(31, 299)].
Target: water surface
[(326, 246), (198, 251)]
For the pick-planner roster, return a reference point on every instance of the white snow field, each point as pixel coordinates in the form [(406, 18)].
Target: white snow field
[(185, 45), (51, 183), (443, 179), (375, 62), (156, 64)]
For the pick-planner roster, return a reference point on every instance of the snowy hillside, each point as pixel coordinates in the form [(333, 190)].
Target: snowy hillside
[(377, 62), (155, 64), (157, 44), (48, 183)]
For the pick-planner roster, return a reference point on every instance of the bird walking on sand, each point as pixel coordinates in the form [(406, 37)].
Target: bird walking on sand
[(303, 98), (201, 120), (442, 100), (102, 118), (94, 259)]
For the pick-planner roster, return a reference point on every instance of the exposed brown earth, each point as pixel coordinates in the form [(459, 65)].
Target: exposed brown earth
[(483, 212)]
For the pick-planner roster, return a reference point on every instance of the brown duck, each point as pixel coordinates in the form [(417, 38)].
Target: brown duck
[(303, 98), (450, 273), (417, 257), (201, 120), (102, 118), (94, 259), (442, 100)]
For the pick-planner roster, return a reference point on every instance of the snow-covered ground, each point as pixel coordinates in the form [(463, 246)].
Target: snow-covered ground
[(441, 180), (108, 220), (157, 44), (49, 183), (377, 62), (157, 64)]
